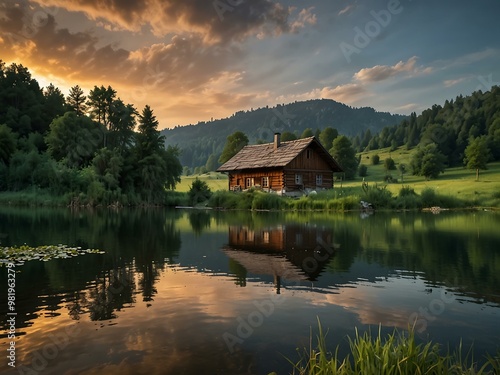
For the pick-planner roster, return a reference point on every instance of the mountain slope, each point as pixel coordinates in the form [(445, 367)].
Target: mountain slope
[(198, 142)]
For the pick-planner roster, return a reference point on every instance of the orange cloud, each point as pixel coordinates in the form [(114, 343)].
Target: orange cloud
[(214, 22)]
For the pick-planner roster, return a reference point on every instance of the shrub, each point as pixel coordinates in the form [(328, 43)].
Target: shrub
[(375, 159), (199, 192), (389, 164), (362, 170), (224, 199), (378, 197), (406, 191), (267, 201), (428, 196)]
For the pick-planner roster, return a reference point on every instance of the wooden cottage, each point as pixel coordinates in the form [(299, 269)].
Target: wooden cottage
[(291, 168)]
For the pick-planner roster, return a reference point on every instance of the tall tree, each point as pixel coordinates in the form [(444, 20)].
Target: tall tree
[(327, 136), (343, 152), (211, 164), (234, 143), (74, 139), (7, 143), (307, 133), (428, 161), (100, 101), (477, 154), (21, 101), (149, 138), (288, 136), (122, 122), (54, 103), (76, 101)]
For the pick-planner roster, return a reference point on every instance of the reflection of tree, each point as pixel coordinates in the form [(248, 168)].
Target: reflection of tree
[(446, 248), (199, 220), (110, 293), (239, 271), (141, 241)]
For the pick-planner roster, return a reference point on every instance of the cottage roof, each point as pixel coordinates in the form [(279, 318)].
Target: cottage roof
[(265, 156)]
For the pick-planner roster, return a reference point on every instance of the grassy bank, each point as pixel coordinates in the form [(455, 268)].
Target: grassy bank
[(345, 199), (41, 198), (398, 353), (457, 182)]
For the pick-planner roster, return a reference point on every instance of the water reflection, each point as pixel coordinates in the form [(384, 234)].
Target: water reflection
[(172, 282), (289, 252)]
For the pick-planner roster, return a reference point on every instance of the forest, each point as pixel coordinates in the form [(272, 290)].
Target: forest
[(463, 132), (84, 149)]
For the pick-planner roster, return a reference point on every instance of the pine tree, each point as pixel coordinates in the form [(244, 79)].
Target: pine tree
[(76, 101)]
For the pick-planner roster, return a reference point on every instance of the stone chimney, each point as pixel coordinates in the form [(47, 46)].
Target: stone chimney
[(277, 140)]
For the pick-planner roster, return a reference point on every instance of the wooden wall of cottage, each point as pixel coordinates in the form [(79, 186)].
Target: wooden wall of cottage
[(308, 164)]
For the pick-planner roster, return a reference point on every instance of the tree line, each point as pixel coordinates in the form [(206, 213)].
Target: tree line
[(464, 131), (92, 149)]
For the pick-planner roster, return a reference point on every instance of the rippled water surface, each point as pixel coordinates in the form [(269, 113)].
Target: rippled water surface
[(201, 292)]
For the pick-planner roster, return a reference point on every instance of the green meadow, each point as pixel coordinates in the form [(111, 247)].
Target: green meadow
[(457, 182)]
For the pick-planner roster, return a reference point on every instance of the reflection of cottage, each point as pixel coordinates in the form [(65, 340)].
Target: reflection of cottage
[(295, 253), (285, 167)]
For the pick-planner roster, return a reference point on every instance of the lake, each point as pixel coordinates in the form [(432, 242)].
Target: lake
[(207, 292)]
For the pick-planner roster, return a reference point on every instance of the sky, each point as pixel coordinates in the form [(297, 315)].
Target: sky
[(197, 60)]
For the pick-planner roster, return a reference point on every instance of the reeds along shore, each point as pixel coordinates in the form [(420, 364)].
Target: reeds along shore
[(397, 353)]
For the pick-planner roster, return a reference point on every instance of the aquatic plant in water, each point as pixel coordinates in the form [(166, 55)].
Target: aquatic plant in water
[(24, 253)]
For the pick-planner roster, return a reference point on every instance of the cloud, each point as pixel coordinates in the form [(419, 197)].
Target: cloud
[(305, 17), (346, 9), (383, 72), (453, 82), (216, 21), (347, 93)]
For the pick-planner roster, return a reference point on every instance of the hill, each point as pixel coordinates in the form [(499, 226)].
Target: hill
[(198, 142)]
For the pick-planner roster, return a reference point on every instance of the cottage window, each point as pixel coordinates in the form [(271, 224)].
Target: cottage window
[(319, 179), (298, 179), (308, 153), (265, 182), (249, 182)]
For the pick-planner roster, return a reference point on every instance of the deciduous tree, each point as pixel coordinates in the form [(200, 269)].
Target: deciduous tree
[(343, 152), (477, 154), (234, 143)]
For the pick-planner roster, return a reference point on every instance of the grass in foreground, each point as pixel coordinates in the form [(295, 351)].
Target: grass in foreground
[(398, 353)]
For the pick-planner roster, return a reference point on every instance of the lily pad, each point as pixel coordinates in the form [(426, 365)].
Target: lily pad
[(24, 253)]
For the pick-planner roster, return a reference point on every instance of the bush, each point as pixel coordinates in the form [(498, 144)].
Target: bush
[(406, 191), (267, 201), (176, 198), (428, 196), (378, 197), (389, 164), (362, 170), (199, 192), (224, 199), (375, 159)]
